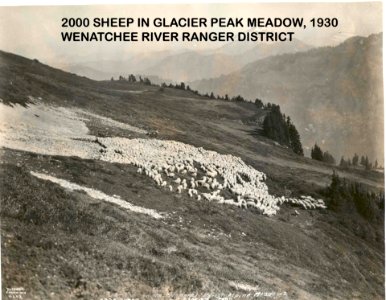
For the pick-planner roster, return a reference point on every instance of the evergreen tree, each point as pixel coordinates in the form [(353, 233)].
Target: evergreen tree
[(294, 138), (279, 128), (343, 163), (317, 153), (275, 127), (259, 103), (355, 160), (146, 81), (132, 78), (367, 163), (328, 158), (238, 98), (363, 161)]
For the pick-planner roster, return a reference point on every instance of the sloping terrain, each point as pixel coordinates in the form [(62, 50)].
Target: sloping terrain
[(253, 51), (229, 58), (79, 219), (122, 65), (200, 64), (196, 66), (334, 95)]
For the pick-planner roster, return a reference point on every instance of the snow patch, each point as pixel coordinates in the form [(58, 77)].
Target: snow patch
[(43, 129), (243, 286), (98, 195)]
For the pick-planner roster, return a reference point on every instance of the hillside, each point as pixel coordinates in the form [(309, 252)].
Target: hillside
[(87, 72), (189, 66), (247, 52), (333, 94), (183, 65), (195, 66), (85, 214), (123, 64)]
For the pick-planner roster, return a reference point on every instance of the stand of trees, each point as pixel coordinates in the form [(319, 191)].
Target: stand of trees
[(182, 86), (318, 154), (276, 125), (131, 78), (342, 196), (280, 128), (356, 162)]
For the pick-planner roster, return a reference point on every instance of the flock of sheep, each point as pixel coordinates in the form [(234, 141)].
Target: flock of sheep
[(202, 174), (174, 166)]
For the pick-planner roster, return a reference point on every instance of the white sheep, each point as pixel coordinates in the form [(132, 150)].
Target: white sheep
[(179, 189), (153, 157)]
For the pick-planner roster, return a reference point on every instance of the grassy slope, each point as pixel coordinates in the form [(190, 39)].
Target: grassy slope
[(94, 248)]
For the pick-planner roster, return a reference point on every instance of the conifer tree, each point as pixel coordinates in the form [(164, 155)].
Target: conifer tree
[(317, 153), (355, 160)]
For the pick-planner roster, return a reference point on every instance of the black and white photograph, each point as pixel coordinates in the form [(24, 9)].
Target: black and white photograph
[(192, 151)]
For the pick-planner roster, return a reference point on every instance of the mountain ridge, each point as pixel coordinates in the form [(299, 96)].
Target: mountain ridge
[(187, 65), (318, 88)]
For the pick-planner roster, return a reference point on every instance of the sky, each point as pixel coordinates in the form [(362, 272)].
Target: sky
[(34, 31)]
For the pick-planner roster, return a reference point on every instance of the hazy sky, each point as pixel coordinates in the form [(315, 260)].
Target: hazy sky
[(35, 31)]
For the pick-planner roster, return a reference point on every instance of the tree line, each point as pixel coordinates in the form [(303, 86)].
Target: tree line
[(341, 195), (276, 125), (131, 78), (182, 86), (356, 161), (318, 154)]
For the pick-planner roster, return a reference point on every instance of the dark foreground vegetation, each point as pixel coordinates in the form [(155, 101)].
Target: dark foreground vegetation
[(358, 208), (343, 196)]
